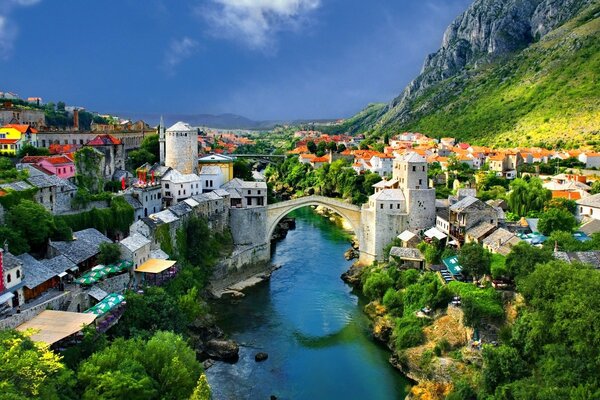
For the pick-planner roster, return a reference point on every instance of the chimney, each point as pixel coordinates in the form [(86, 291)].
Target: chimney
[(76, 119)]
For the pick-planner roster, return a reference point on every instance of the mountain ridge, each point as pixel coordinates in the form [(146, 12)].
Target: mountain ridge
[(478, 44)]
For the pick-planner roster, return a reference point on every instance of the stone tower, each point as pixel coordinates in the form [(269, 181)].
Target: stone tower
[(181, 148), (411, 173), (161, 140)]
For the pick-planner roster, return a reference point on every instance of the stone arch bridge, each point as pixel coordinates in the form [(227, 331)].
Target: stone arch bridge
[(350, 212)]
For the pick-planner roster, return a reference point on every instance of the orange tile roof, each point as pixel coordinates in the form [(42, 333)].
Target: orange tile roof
[(21, 127), (564, 194), (320, 159)]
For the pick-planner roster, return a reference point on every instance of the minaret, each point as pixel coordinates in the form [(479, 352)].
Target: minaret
[(161, 140)]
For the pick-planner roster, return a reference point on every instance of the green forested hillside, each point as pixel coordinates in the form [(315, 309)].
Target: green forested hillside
[(546, 93)]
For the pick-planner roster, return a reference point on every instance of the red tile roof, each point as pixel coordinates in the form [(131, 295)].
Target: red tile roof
[(104, 140)]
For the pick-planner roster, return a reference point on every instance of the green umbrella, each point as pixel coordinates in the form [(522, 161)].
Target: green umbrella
[(97, 274), (86, 280), (112, 269), (125, 265), (107, 304)]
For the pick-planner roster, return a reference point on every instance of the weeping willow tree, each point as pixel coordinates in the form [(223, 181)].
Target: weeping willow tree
[(527, 196)]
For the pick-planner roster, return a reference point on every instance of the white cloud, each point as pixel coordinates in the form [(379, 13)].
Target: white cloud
[(255, 22), (8, 29), (178, 51)]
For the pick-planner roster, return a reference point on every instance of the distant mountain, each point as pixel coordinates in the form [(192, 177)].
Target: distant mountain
[(508, 71), (221, 121)]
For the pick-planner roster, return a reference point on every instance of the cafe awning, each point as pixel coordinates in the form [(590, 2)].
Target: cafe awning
[(52, 326), (155, 266), (435, 233)]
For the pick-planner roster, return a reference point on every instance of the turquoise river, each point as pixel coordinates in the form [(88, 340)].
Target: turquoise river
[(311, 325)]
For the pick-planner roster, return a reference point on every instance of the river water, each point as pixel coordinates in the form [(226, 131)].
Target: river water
[(311, 325)]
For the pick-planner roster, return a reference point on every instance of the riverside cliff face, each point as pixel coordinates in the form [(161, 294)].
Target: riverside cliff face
[(488, 30)]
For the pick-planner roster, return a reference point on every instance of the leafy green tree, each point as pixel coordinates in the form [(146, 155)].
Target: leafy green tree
[(110, 253), (341, 147), (408, 332), (563, 203), (523, 258), (377, 284), (527, 196), (31, 221), (502, 364), (311, 146), (595, 187), (556, 219), (17, 244), (393, 300), (164, 367), (29, 150), (243, 170), (202, 390), (154, 310), (139, 157), (89, 175), (475, 260), (30, 370)]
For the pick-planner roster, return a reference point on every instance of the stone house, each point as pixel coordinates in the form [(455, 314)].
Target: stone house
[(211, 178), (54, 193), (145, 198), (135, 248), (177, 187), (244, 194), (468, 213), (589, 207), (408, 257), (59, 165), (501, 241), (11, 286), (82, 250), (113, 150)]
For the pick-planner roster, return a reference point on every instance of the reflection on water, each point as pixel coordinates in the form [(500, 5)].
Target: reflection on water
[(311, 325)]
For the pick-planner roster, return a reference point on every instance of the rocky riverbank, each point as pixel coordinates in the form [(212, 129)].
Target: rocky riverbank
[(444, 356)]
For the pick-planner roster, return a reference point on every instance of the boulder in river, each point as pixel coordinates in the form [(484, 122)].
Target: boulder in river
[(261, 356), (226, 350)]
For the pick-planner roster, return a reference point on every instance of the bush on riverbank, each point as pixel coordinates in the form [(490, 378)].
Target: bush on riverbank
[(479, 305)]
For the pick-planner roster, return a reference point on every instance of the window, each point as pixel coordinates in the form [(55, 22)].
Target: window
[(420, 181), (398, 206), (414, 168), (381, 206), (259, 192), (18, 274), (423, 168), (391, 206), (8, 278), (249, 191), (166, 186)]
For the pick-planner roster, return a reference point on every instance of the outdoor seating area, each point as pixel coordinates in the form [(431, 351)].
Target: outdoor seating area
[(53, 326), (156, 272), (108, 311), (100, 272)]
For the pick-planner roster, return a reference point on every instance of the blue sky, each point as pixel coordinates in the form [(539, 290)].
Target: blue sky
[(264, 59)]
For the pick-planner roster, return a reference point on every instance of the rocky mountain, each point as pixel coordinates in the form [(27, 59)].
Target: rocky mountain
[(498, 50)]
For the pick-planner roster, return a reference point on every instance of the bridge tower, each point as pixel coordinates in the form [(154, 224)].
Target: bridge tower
[(411, 173)]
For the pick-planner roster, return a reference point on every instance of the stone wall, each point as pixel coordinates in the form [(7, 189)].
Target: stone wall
[(116, 284), (242, 264), (421, 209), (248, 225)]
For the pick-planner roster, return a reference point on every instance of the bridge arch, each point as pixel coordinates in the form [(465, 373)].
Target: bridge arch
[(350, 212)]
